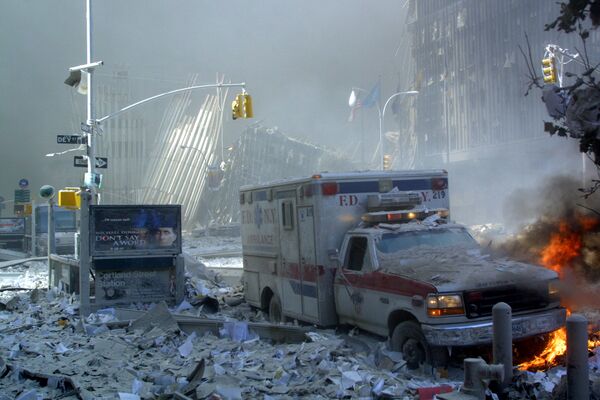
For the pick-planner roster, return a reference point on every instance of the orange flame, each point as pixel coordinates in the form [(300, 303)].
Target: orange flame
[(556, 347), (564, 247)]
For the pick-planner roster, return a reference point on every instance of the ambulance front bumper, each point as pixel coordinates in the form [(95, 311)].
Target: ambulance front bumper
[(474, 333)]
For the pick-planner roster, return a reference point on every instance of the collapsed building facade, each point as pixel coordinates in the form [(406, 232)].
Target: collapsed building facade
[(472, 115), (264, 154), (185, 162), (186, 167)]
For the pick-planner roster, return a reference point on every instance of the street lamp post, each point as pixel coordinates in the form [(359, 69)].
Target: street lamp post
[(381, 116), (204, 159), (92, 180)]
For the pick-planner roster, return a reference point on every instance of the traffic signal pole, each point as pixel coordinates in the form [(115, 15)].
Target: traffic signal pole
[(92, 179)]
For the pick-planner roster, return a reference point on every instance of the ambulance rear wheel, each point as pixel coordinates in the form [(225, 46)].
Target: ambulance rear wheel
[(275, 312), (408, 339)]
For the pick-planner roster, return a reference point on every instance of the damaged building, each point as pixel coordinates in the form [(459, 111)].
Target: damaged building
[(472, 115), (264, 154)]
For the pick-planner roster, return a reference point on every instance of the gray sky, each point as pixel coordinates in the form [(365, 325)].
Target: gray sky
[(299, 59)]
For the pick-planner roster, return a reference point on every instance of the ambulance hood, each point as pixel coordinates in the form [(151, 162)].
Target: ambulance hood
[(460, 268)]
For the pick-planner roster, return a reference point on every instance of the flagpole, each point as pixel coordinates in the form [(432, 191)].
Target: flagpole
[(362, 139)]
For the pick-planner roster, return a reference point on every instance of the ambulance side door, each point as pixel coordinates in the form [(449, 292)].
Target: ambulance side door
[(291, 275), (352, 280), (308, 268)]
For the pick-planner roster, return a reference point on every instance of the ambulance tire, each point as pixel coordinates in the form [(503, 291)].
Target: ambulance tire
[(275, 310), (408, 339)]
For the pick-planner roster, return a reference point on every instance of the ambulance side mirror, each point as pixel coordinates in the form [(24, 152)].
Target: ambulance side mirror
[(334, 257)]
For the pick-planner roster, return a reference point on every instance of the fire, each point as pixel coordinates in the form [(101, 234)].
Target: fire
[(564, 247), (556, 347)]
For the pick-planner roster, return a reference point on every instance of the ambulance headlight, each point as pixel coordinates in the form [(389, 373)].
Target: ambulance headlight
[(440, 305)]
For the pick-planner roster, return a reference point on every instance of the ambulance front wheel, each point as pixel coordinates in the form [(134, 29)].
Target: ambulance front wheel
[(275, 312), (408, 338)]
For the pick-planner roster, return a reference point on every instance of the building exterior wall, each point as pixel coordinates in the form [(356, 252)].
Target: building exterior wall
[(472, 77), (472, 115)]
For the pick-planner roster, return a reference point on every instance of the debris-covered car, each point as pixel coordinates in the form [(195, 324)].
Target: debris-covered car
[(376, 250)]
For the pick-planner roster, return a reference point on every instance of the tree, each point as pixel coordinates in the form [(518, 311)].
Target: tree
[(573, 13)]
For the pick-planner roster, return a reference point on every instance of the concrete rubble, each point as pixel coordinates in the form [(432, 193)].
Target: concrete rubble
[(49, 352), (211, 346)]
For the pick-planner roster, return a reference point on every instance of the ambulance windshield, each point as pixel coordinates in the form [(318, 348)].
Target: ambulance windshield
[(436, 238)]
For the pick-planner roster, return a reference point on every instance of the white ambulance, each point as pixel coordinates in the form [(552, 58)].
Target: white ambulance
[(377, 250)]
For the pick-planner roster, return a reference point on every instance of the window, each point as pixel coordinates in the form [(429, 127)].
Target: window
[(433, 238), (287, 215), (358, 254)]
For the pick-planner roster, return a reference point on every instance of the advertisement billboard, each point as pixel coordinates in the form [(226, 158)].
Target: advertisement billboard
[(131, 286), (12, 226), (118, 230)]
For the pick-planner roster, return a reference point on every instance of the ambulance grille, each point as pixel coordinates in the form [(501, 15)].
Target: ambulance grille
[(479, 303)]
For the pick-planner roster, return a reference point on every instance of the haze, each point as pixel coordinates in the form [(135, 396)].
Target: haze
[(299, 59)]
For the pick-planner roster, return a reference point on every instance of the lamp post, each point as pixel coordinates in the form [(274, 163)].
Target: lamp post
[(381, 116), (202, 155), (92, 180)]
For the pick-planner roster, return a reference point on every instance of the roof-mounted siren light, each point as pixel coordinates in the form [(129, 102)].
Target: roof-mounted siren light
[(393, 201), (403, 216)]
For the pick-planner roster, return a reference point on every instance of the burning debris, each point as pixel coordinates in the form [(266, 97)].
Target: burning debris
[(565, 238)]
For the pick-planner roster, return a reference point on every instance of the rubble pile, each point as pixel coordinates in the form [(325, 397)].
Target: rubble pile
[(156, 352), (152, 357), (47, 351)]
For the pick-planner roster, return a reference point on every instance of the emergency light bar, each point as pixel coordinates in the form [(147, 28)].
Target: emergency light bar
[(393, 201), (400, 216)]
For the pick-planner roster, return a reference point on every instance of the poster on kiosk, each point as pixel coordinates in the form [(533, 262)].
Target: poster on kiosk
[(119, 230)]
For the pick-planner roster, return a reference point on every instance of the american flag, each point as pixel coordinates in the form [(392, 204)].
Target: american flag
[(355, 103)]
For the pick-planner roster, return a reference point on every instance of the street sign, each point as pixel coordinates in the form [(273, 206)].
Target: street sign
[(22, 196), (23, 183), (86, 128), (81, 161), (71, 139)]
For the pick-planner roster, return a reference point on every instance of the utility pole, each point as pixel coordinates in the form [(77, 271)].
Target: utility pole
[(92, 180)]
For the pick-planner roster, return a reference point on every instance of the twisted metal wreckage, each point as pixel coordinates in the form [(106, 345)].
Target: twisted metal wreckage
[(186, 167)]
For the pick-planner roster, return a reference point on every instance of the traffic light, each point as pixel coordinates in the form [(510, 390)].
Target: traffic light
[(387, 162), (247, 106), (549, 70), (69, 198), (236, 107)]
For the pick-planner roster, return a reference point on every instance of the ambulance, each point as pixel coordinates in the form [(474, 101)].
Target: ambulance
[(379, 251)]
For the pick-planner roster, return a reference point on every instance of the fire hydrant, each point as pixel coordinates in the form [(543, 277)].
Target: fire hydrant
[(477, 375)]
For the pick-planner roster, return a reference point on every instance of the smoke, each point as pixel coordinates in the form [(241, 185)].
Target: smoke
[(557, 197), (564, 236), (299, 60)]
